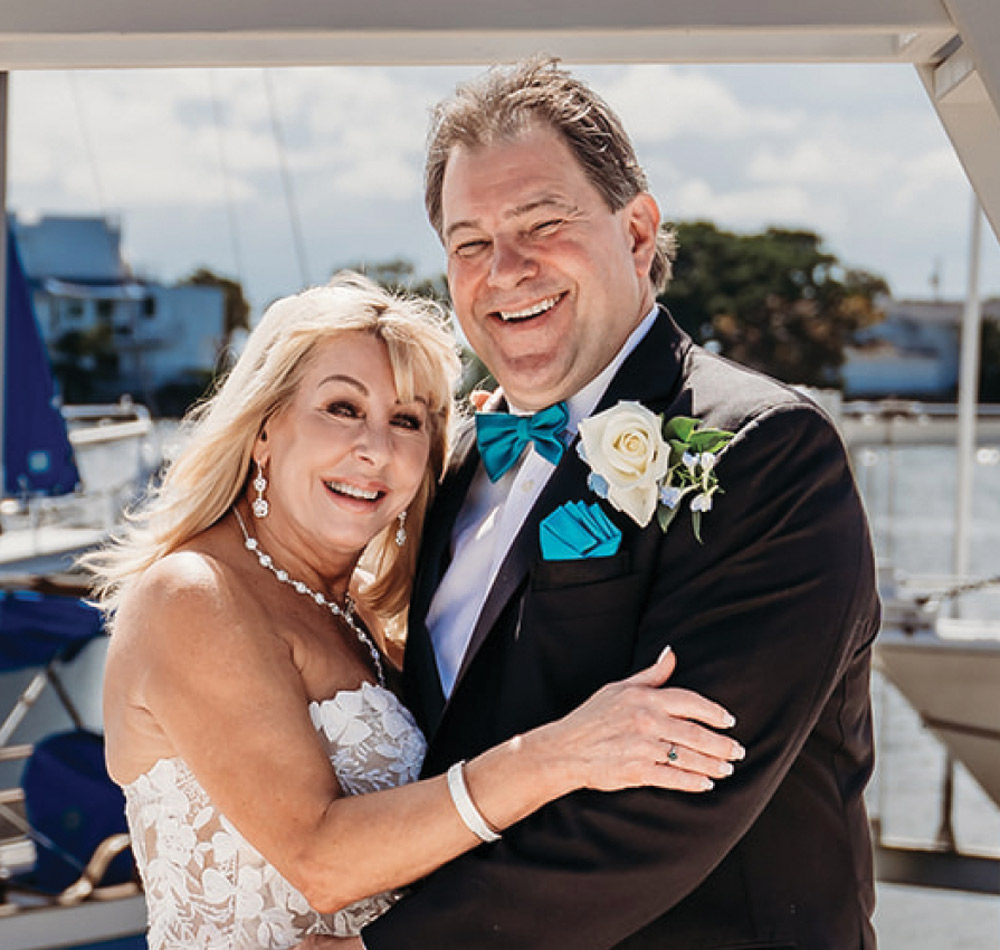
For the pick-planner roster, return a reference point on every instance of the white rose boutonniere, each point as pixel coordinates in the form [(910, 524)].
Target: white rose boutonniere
[(628, 456), (645, 466)]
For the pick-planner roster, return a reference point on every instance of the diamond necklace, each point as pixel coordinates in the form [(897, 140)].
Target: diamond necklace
[(345, 613)]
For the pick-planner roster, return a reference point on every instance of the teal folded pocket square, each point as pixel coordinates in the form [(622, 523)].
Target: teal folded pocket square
[(577, 530)]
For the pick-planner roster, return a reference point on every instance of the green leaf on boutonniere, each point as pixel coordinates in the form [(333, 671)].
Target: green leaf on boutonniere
[(665, 515), (677, 450), (694, 452), (696, 525), (679, 428), (709, 440)]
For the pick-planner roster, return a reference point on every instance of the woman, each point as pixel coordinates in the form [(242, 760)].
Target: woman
[(246, 703)]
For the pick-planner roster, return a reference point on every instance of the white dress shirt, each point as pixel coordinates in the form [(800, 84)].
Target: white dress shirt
[(488, 522)]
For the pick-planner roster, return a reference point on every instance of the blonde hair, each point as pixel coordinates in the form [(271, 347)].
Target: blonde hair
[(212, 470)]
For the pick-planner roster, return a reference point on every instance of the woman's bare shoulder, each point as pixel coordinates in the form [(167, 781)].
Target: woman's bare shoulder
[(188, 578), (185, 593)]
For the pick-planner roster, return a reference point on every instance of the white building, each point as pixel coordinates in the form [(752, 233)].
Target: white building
[(913, 352), (80, 281)]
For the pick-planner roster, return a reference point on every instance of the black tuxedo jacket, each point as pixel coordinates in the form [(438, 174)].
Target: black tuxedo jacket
[(773, 616)]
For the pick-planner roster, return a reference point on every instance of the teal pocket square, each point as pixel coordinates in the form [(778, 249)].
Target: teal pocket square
[(576, 530)]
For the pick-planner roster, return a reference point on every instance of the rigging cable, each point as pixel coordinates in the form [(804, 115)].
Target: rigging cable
[(234, 234), (951, 592), (88, 144), (286, 182)]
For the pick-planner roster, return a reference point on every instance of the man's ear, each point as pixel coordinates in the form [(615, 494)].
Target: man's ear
[(642, 218)]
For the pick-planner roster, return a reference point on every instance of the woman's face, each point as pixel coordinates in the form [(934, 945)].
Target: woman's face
[(345, 457)]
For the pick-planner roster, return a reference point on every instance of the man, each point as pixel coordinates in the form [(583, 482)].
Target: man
[(555, 256)]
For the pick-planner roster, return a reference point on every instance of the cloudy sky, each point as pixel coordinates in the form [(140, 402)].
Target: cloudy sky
[(188, 160)]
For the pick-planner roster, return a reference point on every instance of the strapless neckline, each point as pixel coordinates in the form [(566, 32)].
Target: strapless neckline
[(315, 709), (208, 887)]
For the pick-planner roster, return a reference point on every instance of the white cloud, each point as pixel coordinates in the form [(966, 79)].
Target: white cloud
[(926, 175), (756, 208), (154, 140), (124, 130), (827, 160), (661, 103)]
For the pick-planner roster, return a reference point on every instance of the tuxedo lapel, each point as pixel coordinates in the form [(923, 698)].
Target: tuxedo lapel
[(651, 372), (421, 679), (435, 549), (569, 478)]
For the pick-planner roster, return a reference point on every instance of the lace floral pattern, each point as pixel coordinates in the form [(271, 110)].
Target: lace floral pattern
[(208, 888)]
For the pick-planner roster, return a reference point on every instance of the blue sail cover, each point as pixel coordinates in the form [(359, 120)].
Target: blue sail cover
[(37, 454), (36, 628)]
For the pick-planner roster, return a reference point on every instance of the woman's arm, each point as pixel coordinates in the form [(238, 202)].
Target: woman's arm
[(229, 696)]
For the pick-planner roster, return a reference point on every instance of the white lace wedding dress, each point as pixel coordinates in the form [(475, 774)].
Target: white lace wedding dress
[(207, 887)]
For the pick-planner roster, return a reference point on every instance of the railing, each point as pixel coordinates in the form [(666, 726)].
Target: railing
[(903, 422)]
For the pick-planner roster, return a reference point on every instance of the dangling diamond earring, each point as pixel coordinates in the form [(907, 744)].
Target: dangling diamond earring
[(260, 506), (401, 530)]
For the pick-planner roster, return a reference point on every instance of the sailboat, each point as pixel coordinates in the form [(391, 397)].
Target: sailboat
[(948, 668), (64, 481), (57, 889)]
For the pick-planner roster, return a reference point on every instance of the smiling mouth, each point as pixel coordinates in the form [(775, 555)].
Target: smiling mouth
[(352, 491), (529, 313)]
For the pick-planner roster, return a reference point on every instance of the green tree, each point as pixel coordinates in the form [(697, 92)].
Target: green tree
[(85, 363), (775, 301), (236, 313), (399, 275)]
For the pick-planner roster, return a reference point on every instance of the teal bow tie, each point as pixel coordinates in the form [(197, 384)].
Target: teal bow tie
[(502, 437)]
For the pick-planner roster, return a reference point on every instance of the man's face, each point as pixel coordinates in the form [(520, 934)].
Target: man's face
[(546, 281)]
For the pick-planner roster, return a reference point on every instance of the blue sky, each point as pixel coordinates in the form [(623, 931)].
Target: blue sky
[(855, 153)]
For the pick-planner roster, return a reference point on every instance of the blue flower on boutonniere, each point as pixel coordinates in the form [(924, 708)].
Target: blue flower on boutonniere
[(643, 465)]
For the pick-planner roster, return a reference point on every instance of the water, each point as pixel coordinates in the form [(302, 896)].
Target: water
[(910, 499)]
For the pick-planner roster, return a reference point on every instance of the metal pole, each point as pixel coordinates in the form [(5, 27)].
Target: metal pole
[(968, 397), (4, 85)]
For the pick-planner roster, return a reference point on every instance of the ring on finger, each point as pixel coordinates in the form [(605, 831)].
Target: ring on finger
[(672, 752)]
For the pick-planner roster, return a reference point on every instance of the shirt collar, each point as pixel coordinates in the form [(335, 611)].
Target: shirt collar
[(583, 403)]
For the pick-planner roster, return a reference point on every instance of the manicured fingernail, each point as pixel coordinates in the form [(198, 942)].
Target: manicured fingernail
[(707, 783), (730, 721), (739, 753), (727, 768), (664, 653)]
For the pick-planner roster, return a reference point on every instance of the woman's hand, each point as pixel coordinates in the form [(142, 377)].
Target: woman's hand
[(633, 733)]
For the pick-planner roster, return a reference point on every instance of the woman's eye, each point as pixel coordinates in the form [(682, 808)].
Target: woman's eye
[(343, 409), (408, 420)]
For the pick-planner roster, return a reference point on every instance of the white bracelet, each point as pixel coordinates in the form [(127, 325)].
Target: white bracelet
[(466, 807)]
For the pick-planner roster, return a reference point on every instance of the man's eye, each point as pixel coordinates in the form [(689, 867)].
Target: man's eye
[(469, 248), (547, 227)]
